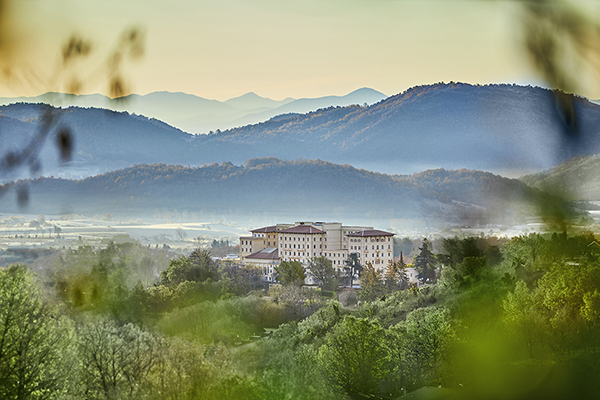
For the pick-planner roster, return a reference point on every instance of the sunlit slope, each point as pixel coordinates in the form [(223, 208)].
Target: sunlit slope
[(298, 189), (577, 179), (497, 128)]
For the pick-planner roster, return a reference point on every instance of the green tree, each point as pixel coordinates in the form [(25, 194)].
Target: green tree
[(395, 277), (570, 295), (198, 267), (117, 359), (353, 266), (322, 271), (354, 356), (524, 317), (425, 263), (35, 355), (371, 283), (290, 273), (177, 272), (422, 339)]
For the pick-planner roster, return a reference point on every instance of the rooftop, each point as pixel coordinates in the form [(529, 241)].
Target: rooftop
[(369, 233), (302, 229), (265, 229), (270, 253)]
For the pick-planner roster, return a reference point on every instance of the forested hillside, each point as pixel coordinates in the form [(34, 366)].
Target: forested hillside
[(498, 128), (578, 179), (298, 189), (102, 139)]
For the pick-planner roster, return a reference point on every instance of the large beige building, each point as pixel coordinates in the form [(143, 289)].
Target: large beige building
[(302, 241)]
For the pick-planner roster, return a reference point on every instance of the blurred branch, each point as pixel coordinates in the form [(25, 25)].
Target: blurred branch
[(130, 46)]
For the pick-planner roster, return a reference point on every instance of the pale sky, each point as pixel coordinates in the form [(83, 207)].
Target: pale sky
[(220, 49)]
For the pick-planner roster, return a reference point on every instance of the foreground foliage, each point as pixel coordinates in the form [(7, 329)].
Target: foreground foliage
[(509, 320)]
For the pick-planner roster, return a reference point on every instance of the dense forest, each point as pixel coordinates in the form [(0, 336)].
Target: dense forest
[(320, 190), (497, 318)]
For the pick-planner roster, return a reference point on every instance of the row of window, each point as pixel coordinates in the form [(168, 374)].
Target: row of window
[(372, 240), (377, 255), (285, 246), (293, 239)]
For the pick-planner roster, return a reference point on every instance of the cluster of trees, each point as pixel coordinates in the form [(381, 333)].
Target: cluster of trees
[(494, 311)]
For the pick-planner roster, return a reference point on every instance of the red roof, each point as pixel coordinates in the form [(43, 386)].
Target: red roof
[(370, 232), (270, 253), (265, 229), (302, 229)]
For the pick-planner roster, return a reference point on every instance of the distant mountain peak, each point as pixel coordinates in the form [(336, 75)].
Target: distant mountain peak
[(247, 96), (367, 90)]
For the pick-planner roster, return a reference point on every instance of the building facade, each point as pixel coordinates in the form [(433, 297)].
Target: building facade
[(303, 241)]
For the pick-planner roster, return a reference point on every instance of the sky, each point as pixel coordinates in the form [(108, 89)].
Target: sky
[(275, 48)]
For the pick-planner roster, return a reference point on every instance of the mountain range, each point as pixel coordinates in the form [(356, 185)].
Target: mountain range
[(195, 114), (504, 129), (296, 190)]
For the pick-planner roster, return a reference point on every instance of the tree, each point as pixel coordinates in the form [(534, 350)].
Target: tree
[(177, 272), (117, 359), (371, 283), (198, 267), (322, 271), (35, 352), (203, 266), (354, 356), (181, 233), (290, 273), (425, 263), (395, 276), (416, 345), (242, 280), (353, 266)]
